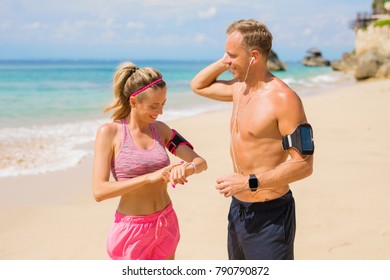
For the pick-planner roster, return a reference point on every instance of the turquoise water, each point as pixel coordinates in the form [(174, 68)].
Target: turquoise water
[(49, 108)]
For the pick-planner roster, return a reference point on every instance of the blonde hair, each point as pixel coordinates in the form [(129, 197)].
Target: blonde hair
[(128, 78), (255, 35)]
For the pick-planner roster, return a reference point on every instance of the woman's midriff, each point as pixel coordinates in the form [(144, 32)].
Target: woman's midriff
[(147, 201)]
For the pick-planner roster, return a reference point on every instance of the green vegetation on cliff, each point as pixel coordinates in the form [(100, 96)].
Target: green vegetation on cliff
[(382, 22)]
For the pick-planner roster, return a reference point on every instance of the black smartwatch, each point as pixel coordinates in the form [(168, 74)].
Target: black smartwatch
[(253, 182)]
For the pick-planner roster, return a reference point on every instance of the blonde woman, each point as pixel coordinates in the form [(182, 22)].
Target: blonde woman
[(133, 148)]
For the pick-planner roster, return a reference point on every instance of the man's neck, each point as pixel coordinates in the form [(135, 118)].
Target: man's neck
[(258, 79)]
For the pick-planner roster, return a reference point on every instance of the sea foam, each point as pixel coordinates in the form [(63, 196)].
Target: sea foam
[(38, 149)]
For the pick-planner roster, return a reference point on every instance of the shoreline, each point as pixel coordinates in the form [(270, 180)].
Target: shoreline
[(48, 137), (45, 216)]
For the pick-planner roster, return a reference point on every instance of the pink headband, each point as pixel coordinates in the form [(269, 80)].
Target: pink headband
[(146, 87)]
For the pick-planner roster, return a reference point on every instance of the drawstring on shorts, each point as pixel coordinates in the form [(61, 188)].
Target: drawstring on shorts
[(161, 222), (242, 212)]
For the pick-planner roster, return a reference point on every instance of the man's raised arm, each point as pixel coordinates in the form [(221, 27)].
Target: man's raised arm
[(205, 83)]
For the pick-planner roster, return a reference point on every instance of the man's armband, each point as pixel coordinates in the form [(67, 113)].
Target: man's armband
[(301, 140), (176, 141)]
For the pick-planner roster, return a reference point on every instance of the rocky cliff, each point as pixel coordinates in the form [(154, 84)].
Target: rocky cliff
[(315, 58), (371, 58), (373, 38), (274, 63)]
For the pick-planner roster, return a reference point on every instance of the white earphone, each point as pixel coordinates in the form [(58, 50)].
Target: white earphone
[(252, 59)]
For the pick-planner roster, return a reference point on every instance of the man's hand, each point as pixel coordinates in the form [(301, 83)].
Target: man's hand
[(232, 184)]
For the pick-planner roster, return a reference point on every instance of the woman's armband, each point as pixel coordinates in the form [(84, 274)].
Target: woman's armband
[(176, 141)]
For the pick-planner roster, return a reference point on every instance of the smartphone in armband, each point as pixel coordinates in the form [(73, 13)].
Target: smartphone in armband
[(301, 140)]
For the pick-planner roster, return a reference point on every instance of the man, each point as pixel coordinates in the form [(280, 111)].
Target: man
[(262, 212)]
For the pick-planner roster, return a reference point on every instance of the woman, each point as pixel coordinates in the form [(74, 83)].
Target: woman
[(133, 147)]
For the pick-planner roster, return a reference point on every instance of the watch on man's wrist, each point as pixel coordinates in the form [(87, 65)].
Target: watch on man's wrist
[(253, 182)]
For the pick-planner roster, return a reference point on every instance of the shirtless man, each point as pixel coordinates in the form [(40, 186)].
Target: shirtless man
[(262, 211)]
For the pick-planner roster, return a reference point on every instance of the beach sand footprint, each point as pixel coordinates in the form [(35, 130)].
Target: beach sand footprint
[(339, 246)]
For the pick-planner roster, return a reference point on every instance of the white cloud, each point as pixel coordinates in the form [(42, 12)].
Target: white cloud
[(200, 38), (5, 25), (209, 13), (307, 32), (111, 24), (108, 35), (170, 40), (80, 24), (135, 25), (67, 32), (34, 25)]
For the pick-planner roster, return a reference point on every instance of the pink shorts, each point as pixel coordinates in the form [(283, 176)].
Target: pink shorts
[(152, 237)]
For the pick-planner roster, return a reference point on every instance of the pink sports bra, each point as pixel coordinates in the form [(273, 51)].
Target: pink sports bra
[(132, 161)]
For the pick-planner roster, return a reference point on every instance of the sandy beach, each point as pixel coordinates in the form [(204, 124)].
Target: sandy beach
[(342, 209)]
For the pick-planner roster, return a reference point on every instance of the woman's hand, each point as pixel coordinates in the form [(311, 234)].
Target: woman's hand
[(162, 174), (178, 174)]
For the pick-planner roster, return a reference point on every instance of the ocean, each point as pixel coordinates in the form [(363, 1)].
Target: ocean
[(49, 109)]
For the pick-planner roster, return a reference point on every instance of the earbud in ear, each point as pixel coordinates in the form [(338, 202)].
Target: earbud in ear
[(252, 59)]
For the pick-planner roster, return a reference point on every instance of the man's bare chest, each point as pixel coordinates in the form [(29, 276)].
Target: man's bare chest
[(255, 120)]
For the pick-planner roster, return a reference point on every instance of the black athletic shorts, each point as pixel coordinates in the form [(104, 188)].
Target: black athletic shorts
[(262, 230)]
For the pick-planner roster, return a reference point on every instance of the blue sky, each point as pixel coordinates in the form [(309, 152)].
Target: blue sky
[(170, 29)]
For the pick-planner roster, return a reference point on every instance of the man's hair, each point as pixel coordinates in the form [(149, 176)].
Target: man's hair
[(255, 35)]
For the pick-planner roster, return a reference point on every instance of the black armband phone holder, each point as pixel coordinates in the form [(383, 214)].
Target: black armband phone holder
[(301, 140), (176, 141)]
